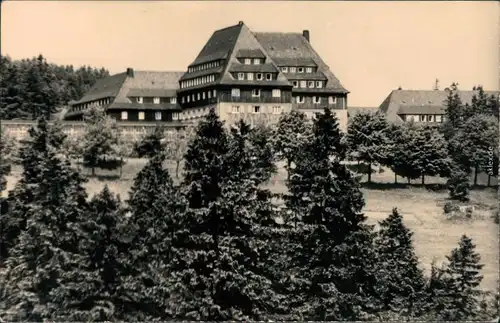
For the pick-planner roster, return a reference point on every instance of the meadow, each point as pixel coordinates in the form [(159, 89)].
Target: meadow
[(422, 207)]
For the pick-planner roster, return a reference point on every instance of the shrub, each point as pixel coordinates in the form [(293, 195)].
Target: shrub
[(496, 216), (450, 207), (468, 212)]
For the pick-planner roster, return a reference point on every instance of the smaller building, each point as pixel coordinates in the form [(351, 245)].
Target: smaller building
[(422, 105), (136, 96)]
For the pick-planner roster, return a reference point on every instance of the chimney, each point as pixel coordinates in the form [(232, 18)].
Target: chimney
[(305, 33), (130, 72), (240, 23)]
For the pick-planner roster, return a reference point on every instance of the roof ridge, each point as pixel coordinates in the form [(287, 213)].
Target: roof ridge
[(232, 26), (156, 71)]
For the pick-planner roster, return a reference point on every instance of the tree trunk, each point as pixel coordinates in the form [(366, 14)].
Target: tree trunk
[(289, 162), (395, 178), (475, 175), (93, 171), (489, 180), (409, 181), (369, 172), (177, 163), (423, 179), (121, 167)]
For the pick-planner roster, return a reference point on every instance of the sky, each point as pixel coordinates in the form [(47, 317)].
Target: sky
[(372, 47)]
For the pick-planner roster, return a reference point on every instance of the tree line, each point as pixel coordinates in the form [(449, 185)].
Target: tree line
[(211, 248), (31, 88)]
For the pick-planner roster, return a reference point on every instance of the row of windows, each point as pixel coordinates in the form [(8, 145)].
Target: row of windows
[(198, 81), (141, 115), (293, 69), (257, 109), (276, 93), (193, 113), (425, 118), (307, 84), (316, 99), (204, 66), (199, 96), (258, 76), (255, 61), (96, 103), (156, 100)]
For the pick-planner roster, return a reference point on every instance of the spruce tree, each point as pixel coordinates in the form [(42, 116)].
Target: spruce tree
[(401, 281), (47, 247), (216, 272), (458, 185), (334, 258), (454, 112), (459, 299), (151, 144)]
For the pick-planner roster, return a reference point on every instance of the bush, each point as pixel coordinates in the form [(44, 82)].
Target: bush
[(495, 216), (450, 207), (458, 186), (468, 213)]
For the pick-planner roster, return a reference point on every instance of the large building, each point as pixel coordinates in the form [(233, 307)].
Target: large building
[(257, 76), (421, 105), (240, 73), (140, 96)]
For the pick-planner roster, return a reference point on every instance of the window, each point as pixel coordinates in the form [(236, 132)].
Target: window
[(173, 100), (250, 76), (203, 95), (259, 76), (310, 84), (276, 109), (332, 100), (295, 83), (256, 92), (235, 93), (198, 96), (309, 70), (241, 76), (438, 118), (175, 116), (303, 84), (193, 97), (141, 115), (316, 99), (124, 115), (284, 69), (269, 76), (300, 70), (422, 118), (158, 115), (215, 94), (293, 70), (299, 99), (429, 118), (256, 109), (276, 93), (248, 61), (188, 98), (256, 61), (235, 109), (209, 94), (319, 84), (139, 99)]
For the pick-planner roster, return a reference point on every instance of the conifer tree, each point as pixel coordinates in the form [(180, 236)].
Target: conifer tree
[(292, 132), (5, 166), (334, 258), (454, 112), (458, 184), (400, 280), (459, 298), (151, 144), (47, 247), (216, 270), (367, 138)]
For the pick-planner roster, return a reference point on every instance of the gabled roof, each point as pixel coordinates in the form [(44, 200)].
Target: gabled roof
[(421, 101), (104, 88), (250, 53), (161, 93), (292, 49)]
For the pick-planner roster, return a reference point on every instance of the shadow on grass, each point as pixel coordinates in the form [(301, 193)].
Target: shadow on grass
[(106, 178), (434, 187)]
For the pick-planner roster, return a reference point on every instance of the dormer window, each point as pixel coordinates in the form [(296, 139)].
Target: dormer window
[(259, 77), (256, 61), (300, 70), (303, 84), (139, 99), (316, 99), (256, 92), (241, 76), (319, 84), (332, 100), (269, 76), (310, 84), (173, 100), (295, 83), (156, 100), (248, 61), (293, 70), (299, 99), (309, 70), (250, 76), (284, 69)]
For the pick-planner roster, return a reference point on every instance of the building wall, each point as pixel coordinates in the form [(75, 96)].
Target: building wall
[(246, 112), (247, 97), (133, 115)]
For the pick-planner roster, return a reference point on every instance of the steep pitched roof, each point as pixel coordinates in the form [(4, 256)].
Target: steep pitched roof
[(421, 102), (292, 49), (104, 88)]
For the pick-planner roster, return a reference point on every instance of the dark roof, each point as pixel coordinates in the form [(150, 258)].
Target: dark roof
[(208, 71), (262, 83), (250, 53), (306, 76), (262, 68), (318, 90), (421, 101), (295, 61), (161, 93), (145, 106), (218, 46), (287, 48), (104, 88)]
